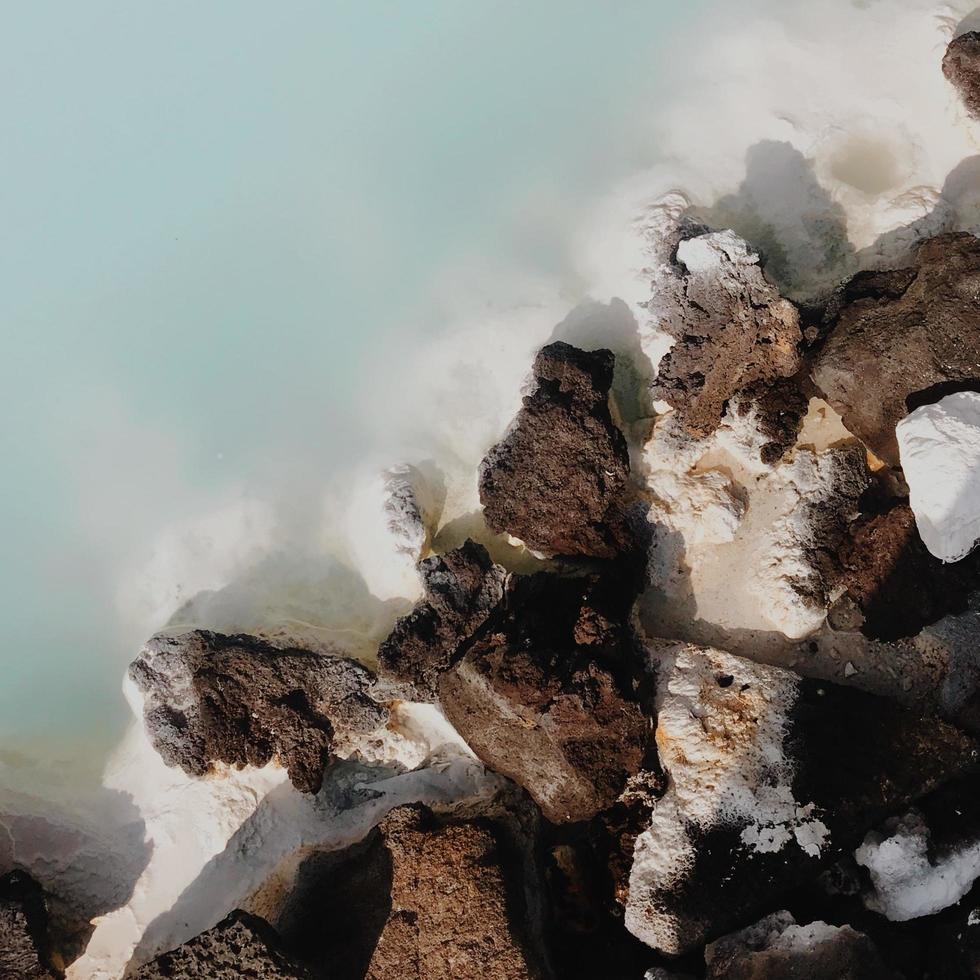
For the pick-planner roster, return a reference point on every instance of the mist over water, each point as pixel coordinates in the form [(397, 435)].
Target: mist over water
[(225, 228)]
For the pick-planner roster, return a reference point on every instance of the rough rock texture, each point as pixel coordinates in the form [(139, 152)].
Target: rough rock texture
[(420, 899), (462, 588), (771, 776), (961, 65), (557, 479), (542, 699), (940, 450), (731, 329), (240, 947), (241, 701), (954, 952), (901, 339), (24, 953), (898, 586), (776, 948)]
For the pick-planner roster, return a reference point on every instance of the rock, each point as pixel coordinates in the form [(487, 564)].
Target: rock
[(771, 777), (939, 446), (24, 953), (240, 701), (390, 526), (954, 952), (240, 946), (539, 698), (557, 479), (731, 328), (927, 859), (900, 339), (420, 899), (745, 543), (961, 65), (462, 588), (898, 586), (776, 948)]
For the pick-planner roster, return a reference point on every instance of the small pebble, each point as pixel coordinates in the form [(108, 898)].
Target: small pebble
[(849, 669)]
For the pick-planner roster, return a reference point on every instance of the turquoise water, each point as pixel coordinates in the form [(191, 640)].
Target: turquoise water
[(214, 216)]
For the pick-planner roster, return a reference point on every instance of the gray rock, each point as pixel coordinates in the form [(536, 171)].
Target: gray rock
[(24, 951)]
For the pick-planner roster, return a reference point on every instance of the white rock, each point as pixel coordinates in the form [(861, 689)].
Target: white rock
[(390, 523), (907, 882), (939, 446)]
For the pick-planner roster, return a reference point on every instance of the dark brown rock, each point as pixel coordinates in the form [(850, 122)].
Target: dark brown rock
[(240, 947), (961, 65), (24, 953), (557, 479), (897, 584), (537, 704), (462, 588), (420, 899), (732, 330), (901, 339), (241, 701), (776, 948), (780, 408)]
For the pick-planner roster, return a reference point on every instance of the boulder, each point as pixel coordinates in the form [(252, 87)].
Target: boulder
[(24, 953), (730, 326), (961, 65), (939, 446), (543, 698), (771, 777), (776, 948), (901, 339), (462, 588), (557, 479), (238, 700), (240, 946), (422, 898)]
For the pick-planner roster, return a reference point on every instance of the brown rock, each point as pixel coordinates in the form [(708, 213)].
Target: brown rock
[(732, 330), (961, 65), (901, 339), (420, 899), (557, 479), (462, 588), (553, 714), (240, 947), (24, 953), (241, 701), (898, 585)]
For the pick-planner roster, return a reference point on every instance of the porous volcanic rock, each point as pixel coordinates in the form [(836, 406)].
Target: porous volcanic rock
[(897, 584), (776, 948), (557, 478), (240, 947), (731, 328), (239, 700), (421, 898), (462, 587), (771, 777), (961, 65), (543, 696), (24, 951), (901, 339)]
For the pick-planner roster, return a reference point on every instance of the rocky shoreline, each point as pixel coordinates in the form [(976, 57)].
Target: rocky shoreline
[(721, 720)]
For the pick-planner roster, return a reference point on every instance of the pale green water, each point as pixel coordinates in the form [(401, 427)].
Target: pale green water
[(213, 214)]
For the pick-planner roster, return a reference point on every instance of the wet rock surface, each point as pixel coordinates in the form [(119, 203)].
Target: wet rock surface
[(24, 953), (422, 899), (462, 588), (961, 65), (238, 700), (902, 339), (240, 947), (557, 479), (539, 698), (731, 328)]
